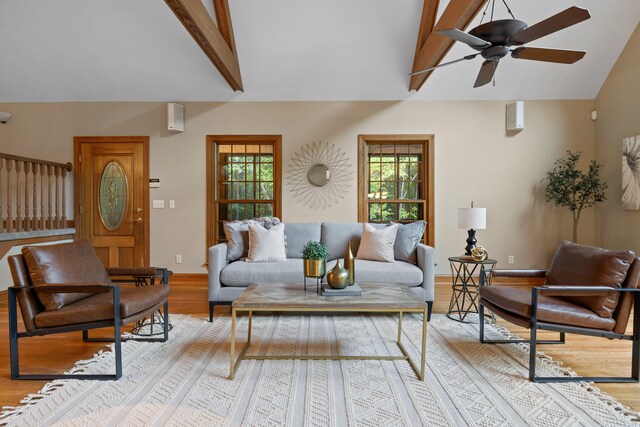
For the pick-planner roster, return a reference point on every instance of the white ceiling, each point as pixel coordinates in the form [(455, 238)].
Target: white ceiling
[(137, 50)]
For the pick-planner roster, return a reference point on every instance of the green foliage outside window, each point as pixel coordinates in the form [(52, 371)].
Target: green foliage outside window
[(248, 177), (394, 177)]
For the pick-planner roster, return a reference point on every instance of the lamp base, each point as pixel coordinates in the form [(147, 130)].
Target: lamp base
[(471, 242)]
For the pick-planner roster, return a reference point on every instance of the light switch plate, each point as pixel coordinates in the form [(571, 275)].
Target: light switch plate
[(158, 204), (172, 204)]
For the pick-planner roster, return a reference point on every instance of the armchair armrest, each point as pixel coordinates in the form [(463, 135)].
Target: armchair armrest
[(136, 273), (582, 290), (132, 271), (519, 273), (217, 261), (89, 288)]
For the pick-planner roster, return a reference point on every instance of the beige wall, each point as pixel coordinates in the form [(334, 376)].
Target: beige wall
[(618, 105), (475, 160)]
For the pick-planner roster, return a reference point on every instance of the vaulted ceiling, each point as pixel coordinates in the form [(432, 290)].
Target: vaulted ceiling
[(124, 50)]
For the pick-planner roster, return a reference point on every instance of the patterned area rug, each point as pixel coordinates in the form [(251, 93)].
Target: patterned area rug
[(184, 381)]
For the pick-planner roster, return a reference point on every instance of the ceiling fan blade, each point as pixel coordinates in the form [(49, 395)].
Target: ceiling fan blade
[(548, 55), (461, 36), (466, 58), (557, 22), (486, 73)]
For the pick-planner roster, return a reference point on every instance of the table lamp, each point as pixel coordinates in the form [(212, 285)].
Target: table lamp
[(472, 219)]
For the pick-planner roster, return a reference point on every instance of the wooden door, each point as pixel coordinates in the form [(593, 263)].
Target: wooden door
[(112, 198)]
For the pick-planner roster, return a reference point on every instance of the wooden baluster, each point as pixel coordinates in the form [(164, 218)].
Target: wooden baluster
[(50, 192), (27, 199), (57, 184), (18, 196), (43, 172), (9, 211), (2, 217), (64, 201), (34, 191)]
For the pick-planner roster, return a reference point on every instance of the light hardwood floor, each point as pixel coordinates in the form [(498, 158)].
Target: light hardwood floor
[(587, 355)]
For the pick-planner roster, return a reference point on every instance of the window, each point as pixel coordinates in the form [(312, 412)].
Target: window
[(395, 179), (243, 180)]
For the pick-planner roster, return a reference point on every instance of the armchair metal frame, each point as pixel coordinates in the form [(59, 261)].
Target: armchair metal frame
[(535, 325), (117, 339)]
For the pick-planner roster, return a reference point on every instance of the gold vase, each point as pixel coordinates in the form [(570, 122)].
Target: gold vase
[(338, 277), (350, 265), (315, 267)]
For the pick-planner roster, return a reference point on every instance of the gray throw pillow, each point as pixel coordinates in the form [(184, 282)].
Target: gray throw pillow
[(407, 240), (237, 235)]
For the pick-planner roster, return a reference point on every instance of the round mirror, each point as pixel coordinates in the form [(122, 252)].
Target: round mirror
[(319, 175)]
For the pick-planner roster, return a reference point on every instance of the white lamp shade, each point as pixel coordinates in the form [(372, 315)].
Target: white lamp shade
[(475, 218)]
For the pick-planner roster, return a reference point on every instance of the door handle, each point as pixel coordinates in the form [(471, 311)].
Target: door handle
[(139, 220), (139, 210)]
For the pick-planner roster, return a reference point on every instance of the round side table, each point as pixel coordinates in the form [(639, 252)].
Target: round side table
[(464, 297)]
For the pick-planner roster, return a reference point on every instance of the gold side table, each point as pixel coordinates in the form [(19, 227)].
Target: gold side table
[(464, 297)]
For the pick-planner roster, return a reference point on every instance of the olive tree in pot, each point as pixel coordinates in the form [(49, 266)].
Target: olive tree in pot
[(315, 256), (570, 187)]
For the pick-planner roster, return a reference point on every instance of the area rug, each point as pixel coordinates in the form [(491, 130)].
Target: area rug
[(184, 382)]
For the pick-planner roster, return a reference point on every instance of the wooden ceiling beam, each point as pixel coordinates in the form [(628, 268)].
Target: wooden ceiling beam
[(458, 14), (427, 22), (196, 19), (223, 19)]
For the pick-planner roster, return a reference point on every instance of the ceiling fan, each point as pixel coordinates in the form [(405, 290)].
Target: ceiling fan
[(496, 39)]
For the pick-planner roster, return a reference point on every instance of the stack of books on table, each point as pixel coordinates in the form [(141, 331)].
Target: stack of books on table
[(350, 291)]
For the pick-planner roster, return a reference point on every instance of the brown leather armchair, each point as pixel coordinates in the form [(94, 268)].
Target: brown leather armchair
[(587, 291), (64, 288)]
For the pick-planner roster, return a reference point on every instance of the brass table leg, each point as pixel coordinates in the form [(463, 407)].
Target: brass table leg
[(419, 371), (233, 343), (424, 345)]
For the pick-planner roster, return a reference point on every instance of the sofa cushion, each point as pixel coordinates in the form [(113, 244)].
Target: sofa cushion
[(551, 309), (241, 273), (237, 235), (579, 265), (337, 235), (298, 234), (376, 244), (407, 239), (382, 272), (66, 263), (266, 245), (133, 300)]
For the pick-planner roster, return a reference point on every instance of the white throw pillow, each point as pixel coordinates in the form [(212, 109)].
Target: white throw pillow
[(377, 243), (266, 245)]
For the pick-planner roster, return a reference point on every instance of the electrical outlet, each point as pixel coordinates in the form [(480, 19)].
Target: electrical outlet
[(172, 204), (510, 259), (158, 204), (178, 259)]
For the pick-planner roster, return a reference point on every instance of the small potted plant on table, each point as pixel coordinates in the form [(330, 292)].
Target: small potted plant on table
[(315, 256)]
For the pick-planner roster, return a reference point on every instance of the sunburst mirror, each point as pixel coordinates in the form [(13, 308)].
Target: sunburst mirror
[(319, 175)]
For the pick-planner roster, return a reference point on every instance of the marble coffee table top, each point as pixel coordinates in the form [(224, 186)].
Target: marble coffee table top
[(289, 297)]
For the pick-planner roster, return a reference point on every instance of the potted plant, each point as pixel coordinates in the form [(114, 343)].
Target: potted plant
[(574, 189), (315, 256)]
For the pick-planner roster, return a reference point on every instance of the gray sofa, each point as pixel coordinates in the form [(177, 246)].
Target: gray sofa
[(227, 280)]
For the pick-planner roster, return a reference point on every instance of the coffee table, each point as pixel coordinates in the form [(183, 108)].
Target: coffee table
[(376, 298)]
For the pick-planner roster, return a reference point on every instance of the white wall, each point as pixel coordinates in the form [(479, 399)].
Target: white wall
[(475, 160), (618, 118), (5, 273)]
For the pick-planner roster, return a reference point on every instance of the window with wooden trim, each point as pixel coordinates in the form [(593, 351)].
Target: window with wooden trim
[(243, 180), (395, 180)]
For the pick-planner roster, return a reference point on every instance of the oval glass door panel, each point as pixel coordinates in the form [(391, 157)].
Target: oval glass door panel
[(112, 195)]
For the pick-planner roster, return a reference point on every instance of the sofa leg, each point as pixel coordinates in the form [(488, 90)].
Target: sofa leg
[(211, 305), (429, 309)]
